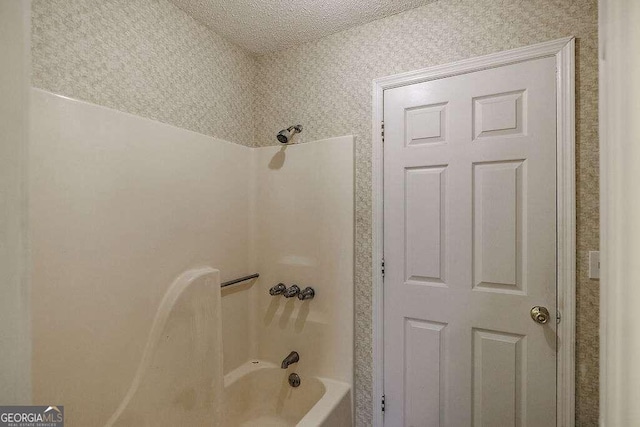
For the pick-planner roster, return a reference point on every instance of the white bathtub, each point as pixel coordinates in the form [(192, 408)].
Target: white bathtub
[(258, 394)]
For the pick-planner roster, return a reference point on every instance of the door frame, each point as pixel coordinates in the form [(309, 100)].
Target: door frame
[(564, 51)]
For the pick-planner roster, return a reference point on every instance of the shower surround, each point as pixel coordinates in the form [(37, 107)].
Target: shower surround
[(121, 205)]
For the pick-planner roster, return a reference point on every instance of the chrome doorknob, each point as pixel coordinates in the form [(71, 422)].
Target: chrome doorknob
[(540, 314)]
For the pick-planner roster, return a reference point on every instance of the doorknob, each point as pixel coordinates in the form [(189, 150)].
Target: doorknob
[(540, 314)]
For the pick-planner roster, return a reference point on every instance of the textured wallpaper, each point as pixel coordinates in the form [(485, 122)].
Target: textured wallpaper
[(326, 86), (149, 58), (145, 57)]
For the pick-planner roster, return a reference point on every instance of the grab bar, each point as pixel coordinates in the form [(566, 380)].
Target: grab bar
[(238, 280)]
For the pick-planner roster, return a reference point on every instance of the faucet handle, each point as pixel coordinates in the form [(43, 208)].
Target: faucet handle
[(292, 291), (306, 293), (277, 289)]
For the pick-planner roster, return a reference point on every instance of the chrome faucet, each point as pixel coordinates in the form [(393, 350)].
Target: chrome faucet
[(291, 292), (277, 289), (292, 358), (306, 293)]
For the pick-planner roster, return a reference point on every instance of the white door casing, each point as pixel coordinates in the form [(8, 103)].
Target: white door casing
[(464, 270)]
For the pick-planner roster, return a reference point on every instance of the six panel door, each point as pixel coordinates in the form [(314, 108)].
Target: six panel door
[(470, 248)]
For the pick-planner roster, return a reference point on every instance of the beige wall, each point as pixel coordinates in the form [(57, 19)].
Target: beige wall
[(145, 57), (14, 304), (326, 85)]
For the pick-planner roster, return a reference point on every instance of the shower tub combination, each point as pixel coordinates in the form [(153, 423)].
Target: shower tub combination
[(258, 394), (158, 350)]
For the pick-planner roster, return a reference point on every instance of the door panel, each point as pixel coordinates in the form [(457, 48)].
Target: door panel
[(424, 343), (498, 223), (425, 220), (470, 248), (498, 378)]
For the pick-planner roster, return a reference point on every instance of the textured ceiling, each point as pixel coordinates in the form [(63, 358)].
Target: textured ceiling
[(262, 26)]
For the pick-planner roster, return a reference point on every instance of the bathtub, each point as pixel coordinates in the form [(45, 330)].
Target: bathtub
[(258, 394)]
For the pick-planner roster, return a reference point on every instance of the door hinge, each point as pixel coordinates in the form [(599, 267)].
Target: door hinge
[(383, 401), (382, 267), (382, 130)]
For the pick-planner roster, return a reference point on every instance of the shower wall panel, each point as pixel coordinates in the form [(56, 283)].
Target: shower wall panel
[(119, 207), (304, 199)]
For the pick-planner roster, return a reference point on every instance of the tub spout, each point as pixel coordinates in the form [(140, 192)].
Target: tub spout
[(292, 358)]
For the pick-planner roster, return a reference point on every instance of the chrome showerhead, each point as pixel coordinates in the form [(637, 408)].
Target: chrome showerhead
[(285, 135)]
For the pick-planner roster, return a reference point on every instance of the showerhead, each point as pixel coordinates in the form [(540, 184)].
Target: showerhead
[(285, 135)]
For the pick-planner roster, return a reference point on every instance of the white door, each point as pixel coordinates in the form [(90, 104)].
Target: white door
[(470, 248)]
